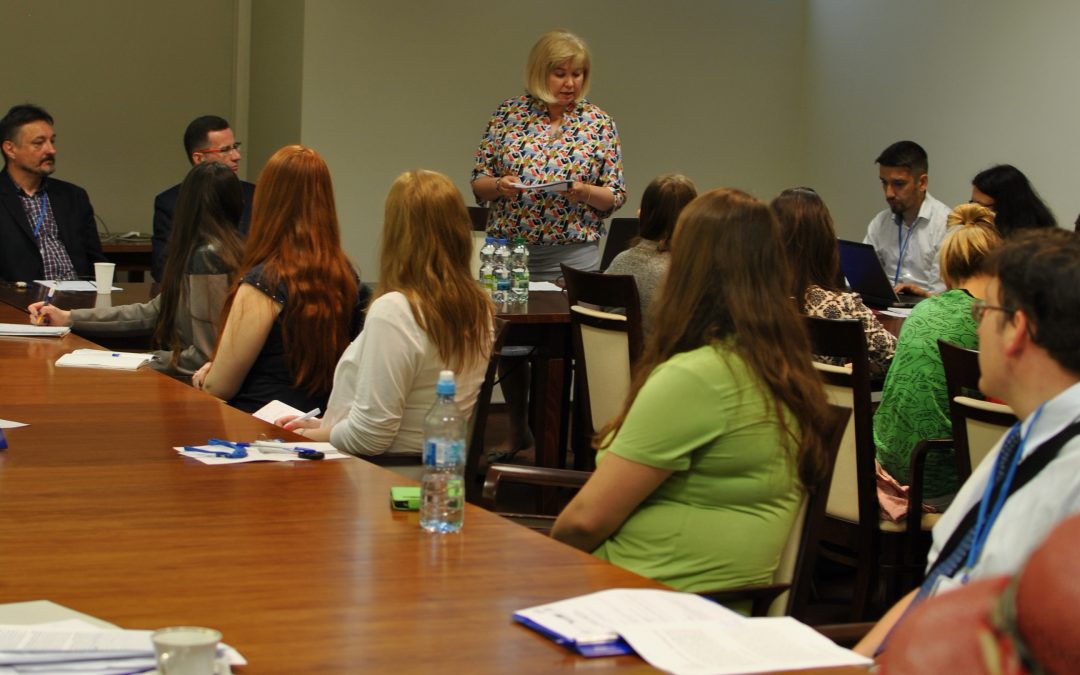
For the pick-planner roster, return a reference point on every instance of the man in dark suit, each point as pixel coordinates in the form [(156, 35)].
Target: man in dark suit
[(206, 139), (47, 227)]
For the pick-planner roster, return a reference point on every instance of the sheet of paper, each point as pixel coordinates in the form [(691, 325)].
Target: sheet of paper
[(274, 410), (554, 186), (543, 286), (72, 285), (32, 330), (9, 424), (103, 358), (600, 616), (901, 312), (708, 647), (82, 647), (254, 455)]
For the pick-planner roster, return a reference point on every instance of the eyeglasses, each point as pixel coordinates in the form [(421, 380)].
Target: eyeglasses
[(223, 150), (980, 307)]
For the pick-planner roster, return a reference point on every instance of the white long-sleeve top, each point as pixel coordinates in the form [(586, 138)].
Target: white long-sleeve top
[(384, 384)]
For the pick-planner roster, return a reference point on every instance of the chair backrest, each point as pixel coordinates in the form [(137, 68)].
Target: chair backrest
[(620, 232), (473, 485), (479, 216), (800, 550), (853, 492), (605, 344), (976, 425)]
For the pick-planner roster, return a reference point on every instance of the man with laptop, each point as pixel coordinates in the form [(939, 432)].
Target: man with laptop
[(908, 234)]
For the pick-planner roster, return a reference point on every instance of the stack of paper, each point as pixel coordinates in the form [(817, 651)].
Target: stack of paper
[(75, 645), (72, 285), (255, 455), (103, 358), (31, 330), (683, 633)]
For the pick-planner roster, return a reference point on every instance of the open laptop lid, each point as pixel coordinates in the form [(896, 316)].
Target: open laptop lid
[(862, 268)]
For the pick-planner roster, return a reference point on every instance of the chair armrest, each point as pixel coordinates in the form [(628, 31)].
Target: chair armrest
[(845, 634), (915, 476), (760, 597), (527, 475)]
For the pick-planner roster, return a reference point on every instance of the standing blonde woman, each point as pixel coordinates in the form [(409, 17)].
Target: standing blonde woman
[(428, 314)]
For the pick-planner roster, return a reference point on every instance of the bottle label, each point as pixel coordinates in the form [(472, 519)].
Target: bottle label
[(443, 453)]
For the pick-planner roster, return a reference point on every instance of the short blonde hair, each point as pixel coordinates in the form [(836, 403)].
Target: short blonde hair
[(971, 237), (552, 49)]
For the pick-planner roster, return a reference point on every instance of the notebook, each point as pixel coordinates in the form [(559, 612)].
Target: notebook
[(862, 268)]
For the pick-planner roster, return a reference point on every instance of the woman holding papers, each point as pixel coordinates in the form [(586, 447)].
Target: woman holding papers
[(699, 479), (205, 251), (550, 134), (428, 315), (914, 401), (550, 168), (298, 300), (814, 260)]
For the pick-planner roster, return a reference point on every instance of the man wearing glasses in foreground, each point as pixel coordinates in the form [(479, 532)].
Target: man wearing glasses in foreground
[(206, 139), (1029, 329)]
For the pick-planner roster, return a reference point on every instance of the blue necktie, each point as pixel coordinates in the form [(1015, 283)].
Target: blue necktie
[(952, 564)]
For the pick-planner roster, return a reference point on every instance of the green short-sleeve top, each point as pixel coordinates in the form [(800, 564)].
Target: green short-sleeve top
[(721, 519)]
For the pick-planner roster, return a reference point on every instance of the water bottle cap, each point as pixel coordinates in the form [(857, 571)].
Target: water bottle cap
[(502, 240), (445, 386), (489, 240)]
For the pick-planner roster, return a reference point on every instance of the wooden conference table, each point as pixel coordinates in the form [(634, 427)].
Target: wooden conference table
[(302, 565)]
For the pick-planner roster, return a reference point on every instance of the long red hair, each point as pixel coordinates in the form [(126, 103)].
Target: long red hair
[(295, 236)]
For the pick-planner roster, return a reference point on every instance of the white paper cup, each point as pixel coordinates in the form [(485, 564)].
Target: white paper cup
[(103, 276), (186, 650)]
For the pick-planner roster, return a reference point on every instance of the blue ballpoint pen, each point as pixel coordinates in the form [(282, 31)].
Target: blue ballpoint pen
[(235, 453)]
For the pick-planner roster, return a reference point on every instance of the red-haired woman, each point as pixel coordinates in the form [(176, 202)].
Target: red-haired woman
[(298, 302)]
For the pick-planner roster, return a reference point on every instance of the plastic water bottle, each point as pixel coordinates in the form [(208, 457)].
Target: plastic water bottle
[(442, 488), (519, 271), (502, 273), (487, 266)]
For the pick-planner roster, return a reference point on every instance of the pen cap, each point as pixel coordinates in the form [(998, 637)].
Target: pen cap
[(3, 441), (445, 386)]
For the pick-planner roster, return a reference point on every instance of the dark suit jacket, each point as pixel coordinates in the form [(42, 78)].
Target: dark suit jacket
[(165, 207), (20, 259)]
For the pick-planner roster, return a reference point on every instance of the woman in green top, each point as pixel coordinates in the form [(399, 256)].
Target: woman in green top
[(914, 403), (700, 477)]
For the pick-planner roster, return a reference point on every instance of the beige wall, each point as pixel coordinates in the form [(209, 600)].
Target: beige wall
[(122, 78), (975, 83), (711, 89), (756, 94)]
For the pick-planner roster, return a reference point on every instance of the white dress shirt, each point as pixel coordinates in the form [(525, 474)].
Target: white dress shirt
[(923, 241), (1030, 513)]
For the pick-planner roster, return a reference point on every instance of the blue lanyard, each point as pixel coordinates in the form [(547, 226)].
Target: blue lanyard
[(41, 216), (902, 242), (985, 520)]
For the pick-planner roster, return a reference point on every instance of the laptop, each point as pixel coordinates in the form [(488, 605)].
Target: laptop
[(862, 268)]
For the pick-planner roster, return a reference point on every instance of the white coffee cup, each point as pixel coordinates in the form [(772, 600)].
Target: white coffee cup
[(186, 650), (103, 275)]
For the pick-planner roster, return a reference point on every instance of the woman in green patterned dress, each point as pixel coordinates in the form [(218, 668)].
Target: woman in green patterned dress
[(914, 404)]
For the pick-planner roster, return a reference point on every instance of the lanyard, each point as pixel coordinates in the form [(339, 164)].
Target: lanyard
[(902, 242), (41, 215), (986, 520)]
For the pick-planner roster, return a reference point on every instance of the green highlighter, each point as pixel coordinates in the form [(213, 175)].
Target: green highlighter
[(405, 498)]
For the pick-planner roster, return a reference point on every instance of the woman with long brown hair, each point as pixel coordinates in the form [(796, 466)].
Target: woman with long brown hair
[(297, 304), (205, 253), (814, 261), (428, 315), (699, 479)]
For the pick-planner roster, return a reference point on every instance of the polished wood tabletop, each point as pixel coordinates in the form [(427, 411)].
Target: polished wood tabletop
[(131, 292), (301, 565)]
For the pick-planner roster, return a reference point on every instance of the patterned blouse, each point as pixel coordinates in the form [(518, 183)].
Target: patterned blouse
[(880, 343), (519, 142)]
